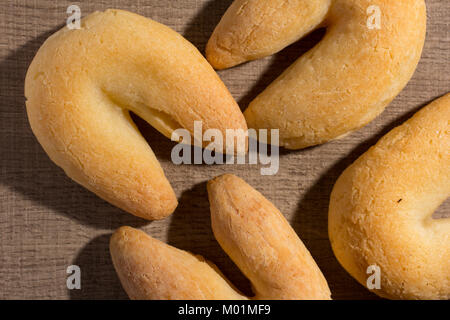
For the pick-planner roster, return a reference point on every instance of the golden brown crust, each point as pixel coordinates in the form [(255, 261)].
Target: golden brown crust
[(82, 84), (253, 29), (152, 270), (342, 83), (257, 237), (381, 209), (249, 228)]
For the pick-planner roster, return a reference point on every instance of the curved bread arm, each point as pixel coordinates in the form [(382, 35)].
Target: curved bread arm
[(261, 242), (382, 205)]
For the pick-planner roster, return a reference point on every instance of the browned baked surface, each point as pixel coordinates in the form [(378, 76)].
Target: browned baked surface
[(381, 209)]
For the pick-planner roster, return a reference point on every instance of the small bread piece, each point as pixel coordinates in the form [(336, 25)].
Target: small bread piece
[(257, 237), (254, 29), (251, 231), (340, 85), (382, 205), (152, 270), (82, 84)]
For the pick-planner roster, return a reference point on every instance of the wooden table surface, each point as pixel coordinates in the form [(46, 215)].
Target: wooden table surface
[(48, 222)]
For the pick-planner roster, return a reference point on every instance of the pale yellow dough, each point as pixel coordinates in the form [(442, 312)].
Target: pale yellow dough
[(82, 84), (252, 232), (340, 85), (382, 205)]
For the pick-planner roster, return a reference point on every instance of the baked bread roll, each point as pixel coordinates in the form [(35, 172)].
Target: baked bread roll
[(382, 205), (82, 84), (369, 53), (252, 232)]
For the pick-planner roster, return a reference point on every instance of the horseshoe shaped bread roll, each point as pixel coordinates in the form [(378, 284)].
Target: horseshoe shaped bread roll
[(340, 85), (82, 84), (252, 232), (382, 205)]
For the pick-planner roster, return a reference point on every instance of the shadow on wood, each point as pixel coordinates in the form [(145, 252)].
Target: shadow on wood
[(98, 276), (280, 62), (202, 25), (190, 230)]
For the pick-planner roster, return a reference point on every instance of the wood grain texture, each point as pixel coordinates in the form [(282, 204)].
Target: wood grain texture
[(48, 222)]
